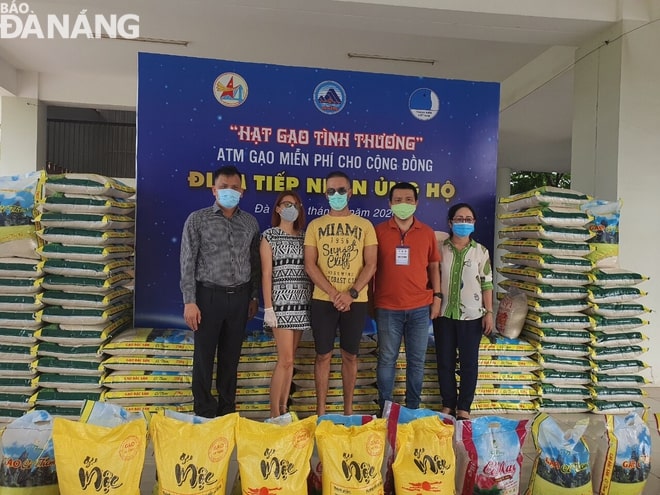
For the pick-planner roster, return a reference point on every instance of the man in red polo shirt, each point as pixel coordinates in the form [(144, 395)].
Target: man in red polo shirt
[(406, 293)]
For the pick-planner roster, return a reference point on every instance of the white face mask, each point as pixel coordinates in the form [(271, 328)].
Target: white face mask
[(289, 213)]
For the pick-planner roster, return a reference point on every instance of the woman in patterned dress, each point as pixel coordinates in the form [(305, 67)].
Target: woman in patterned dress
[(287, 291)]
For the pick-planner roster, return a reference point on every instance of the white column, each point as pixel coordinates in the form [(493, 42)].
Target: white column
[(23, 138), (616, 148)]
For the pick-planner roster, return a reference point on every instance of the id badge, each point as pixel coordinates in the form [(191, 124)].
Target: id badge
[(402, 255)]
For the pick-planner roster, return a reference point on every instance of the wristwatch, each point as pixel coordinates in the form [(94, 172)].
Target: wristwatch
[(438, 295), (354, 294)]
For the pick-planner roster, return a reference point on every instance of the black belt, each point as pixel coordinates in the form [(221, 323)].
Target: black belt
[(226, 290)]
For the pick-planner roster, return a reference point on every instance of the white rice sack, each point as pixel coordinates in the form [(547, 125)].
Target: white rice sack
[(619, 381), (18, 194), (559, 320), (545, 246), (152, 341), (623, 459), (87, 184), (570, 336), (68, 367), (545, 291), (77, 316), (57, 398), (253, 378), (85, 284), (555, 216), (84, 253), (613, 277), (87, 269), (72, 334), (83, 237), (50, 349), (86, 299), (69, 382), (30, 302), (544, 196), (622, 352), (617, 310), (65, 203), (602, 339), (510, 363), (549, 262), (612, 325), (619, 367), (563, 406), (599, 295), (9, 335), (16, 286), (13, 369), (20, 268), (616, 407), (564, 378), (18, 385), (564, 363), (544, 276), (560, 234), (617, 393), (555, 392), (557, 306), (22, 319), (25, 353), (85, 221), (147, 396), (497, 345), (563, 350)]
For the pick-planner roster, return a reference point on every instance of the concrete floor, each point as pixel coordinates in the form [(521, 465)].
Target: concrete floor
[(596, 428)]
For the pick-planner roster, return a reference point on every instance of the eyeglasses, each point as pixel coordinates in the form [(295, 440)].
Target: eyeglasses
[(332, 190), (463, 220), (288, 204)]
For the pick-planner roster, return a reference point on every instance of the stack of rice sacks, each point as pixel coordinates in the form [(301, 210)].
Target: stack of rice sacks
[(149, 369), (546, 234), (255, 369), (365, 399), (21, 275), (616, 340), (506, 379), (86, 225)]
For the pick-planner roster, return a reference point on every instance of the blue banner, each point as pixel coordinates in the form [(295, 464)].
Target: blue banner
[(287, 128)]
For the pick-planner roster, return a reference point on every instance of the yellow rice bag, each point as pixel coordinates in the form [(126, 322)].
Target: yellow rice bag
[(192, 458), (95, 459), (273, 458), (352, 457), (425, 459)]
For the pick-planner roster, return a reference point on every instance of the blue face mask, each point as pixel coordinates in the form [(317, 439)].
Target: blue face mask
[(228, 198), (462, 229), (338, 201)]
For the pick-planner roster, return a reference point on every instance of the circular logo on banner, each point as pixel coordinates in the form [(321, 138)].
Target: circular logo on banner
[(329, 97), (424, 104), (230, 89)]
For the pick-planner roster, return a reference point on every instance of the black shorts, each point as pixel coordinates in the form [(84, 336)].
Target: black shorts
[(326, 319)]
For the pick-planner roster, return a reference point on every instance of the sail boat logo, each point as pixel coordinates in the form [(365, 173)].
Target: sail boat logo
[(329, 97), (230, 89)]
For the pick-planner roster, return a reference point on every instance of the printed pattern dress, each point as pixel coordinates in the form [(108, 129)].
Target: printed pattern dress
[(292, 288)]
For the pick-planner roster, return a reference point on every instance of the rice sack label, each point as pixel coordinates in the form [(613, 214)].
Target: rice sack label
[(489, 449), (425, 459), (352, 457), (625, 464), (192, 458), (28, 460), (99, 460), (561, 465), (274, 459)]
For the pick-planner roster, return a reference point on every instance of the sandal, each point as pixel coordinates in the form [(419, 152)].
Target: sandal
[(448, 411), (462, 416)]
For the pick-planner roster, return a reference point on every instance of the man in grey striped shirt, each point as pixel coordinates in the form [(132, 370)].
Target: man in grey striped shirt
[(220, 281)]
